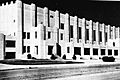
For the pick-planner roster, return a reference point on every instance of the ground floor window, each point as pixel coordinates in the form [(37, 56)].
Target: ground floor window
[(86, 51), (109, 52), (116, 52), (24, 49), (68, 49), (95, 51), (77, 50), (102, 51), (10, 43), (50, 49), (36, 50), (10, 55)]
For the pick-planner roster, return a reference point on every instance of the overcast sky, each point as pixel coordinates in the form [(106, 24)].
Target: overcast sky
[(107, 12)]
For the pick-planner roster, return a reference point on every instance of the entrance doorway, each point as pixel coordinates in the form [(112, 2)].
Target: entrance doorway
[(58, 50)]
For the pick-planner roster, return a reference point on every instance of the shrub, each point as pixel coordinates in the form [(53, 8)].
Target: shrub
[(64, 56), (29, 56), (74, 57), (53, 57), (108, 59)]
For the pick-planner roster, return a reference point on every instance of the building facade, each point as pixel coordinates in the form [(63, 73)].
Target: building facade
[(26, 29)]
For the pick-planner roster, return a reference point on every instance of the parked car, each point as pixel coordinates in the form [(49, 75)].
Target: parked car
[(108, 58)]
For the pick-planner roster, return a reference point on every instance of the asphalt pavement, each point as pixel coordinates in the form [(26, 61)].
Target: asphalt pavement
[(61, 71)]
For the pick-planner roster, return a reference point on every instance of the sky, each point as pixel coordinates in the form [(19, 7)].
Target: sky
[(102, 11)]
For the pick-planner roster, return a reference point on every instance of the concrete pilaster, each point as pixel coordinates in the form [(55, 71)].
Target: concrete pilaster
[(19, 41), (108, 37), (90, 31), (45, 16), (99, 52), (33, 14), (66, 27), (2, 46), (83, 31), (45, 22), (83, 37), (82, 50), (119, 42), (103, 34), (90, 37), (113, 32), (97, 33), (56, 25), (75, 29)]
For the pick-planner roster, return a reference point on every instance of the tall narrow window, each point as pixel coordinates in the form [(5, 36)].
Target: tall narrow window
[(28, 35), (35, 16), (61, 36), (94, 35), (105, 36), (87, 34), (100, 36), (79, 32), (62, 26), (24, 35), (68, 49), (24, 49), (36, 34), (71, 31), (49, 35), (36, 49), (28, 49)]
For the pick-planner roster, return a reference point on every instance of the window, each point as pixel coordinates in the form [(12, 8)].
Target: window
[(24, 35), (50, 49), (68, 49), (24, 49), (102, 51), (71, 31), (35, 34), (62, 26), (86, 51), (105, 36), (79, 32), (100, 36), (95, 51), (87, 34), (10, 43), (36, 49), (51, 16), (35, 16), (28, 35), (116, 52), (61, 36), (77, 51), (109, 52), (94, 35), (113, 43), (28, 49), (49, 35)]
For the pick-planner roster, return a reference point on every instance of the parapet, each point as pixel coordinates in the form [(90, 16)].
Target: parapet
[(33, 7)]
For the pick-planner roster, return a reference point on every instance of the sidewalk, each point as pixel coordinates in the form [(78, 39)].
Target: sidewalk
[(87, 63)]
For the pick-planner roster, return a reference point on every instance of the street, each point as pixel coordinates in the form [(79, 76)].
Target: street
[(61, 73), (99, 76)]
